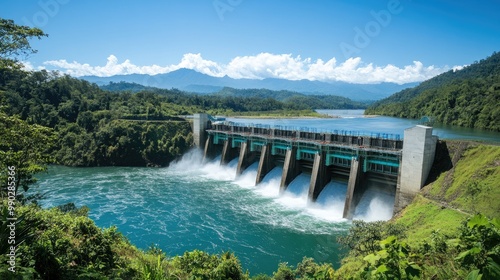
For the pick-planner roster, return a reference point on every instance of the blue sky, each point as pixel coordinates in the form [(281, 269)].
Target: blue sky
[(349, 40)]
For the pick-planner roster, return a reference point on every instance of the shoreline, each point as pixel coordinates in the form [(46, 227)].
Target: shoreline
[(297, 117), (283, 117)]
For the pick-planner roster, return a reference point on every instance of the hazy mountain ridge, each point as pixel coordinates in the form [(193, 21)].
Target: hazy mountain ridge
[(192, 81), (291, 99)]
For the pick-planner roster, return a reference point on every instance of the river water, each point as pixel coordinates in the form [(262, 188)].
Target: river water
[(190, 205)]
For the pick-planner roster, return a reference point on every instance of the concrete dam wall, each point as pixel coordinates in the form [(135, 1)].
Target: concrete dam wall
[(399, 166)]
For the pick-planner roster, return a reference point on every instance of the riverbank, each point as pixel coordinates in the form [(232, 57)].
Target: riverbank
[(280, 114)]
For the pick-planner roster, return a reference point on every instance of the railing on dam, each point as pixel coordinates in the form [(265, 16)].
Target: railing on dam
[(382, 152), (374, 141)]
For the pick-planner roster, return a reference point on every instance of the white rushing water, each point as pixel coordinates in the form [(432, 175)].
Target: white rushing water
[(194, 205), (374, 204)]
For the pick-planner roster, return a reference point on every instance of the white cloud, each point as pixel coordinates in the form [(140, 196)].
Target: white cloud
[(266, 65), (459, 67)]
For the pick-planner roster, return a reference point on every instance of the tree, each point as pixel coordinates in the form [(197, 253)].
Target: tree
[(480, 244), (364, 237), (14, 42), (25, 147)]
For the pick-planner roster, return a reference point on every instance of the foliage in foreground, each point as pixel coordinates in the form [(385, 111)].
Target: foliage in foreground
[(63, 243), (472, 253), (25, 147)]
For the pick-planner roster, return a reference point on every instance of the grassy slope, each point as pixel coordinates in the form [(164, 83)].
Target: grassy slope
[(472, 183), (468, 185), (465, 180)]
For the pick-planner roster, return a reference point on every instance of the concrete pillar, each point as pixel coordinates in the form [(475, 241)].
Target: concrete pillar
[(397, 206), (366, 141), (266, 163), (210, 151), (228, 152), (291, 168), (419, 148), (246, 158), (320, 176), (355, 181), (200, 125)]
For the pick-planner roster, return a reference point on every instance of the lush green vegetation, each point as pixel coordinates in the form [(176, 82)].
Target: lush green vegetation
[(14, 42), (467, 97), (294, 100), (95, 127), (470, 249), (243, 100), (471, 182)]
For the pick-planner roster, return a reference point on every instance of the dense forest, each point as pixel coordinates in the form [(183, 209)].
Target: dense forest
[(244, 100), (295, 100), (467, 97), (96, 127)]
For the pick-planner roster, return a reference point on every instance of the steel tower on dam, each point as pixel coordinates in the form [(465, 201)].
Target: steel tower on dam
[(394, 165)]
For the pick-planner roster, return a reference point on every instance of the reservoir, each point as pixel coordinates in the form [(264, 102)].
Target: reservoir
[(190, 205)]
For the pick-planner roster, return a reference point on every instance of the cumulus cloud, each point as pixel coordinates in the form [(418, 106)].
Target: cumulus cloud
[(459, 67), (266, 65)]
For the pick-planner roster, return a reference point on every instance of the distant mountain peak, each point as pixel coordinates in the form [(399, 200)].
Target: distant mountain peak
[(194, 81)]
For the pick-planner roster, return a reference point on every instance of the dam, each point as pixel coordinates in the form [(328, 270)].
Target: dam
[(396, 165)]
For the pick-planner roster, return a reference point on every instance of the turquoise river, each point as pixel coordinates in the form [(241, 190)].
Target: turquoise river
[(190, 205)]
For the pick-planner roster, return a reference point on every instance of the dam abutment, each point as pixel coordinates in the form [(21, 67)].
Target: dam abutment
[(417, 157)]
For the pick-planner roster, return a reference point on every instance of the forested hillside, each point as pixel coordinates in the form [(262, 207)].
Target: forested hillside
[(296, 100), (467, 97), (96, 127), (248, 99)]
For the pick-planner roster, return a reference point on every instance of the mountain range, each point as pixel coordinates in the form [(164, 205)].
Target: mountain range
[(193, 81)]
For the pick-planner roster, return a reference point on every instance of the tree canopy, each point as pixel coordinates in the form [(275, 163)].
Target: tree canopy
[(14, 41)]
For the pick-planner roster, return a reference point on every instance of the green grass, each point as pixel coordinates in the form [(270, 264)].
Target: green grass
[(474, 183), (423, 216)]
